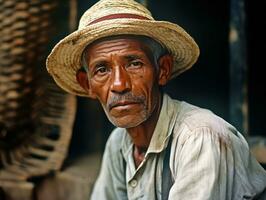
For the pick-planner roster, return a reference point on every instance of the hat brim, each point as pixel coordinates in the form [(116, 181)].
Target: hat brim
[(65, 59)]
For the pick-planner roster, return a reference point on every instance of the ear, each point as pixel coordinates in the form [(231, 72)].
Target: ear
[(83, 81), (165, 68)]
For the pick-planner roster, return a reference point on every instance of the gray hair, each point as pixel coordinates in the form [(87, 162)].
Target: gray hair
[(153, 49)]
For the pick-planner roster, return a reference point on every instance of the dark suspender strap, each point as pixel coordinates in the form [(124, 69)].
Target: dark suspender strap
[(167, 181)]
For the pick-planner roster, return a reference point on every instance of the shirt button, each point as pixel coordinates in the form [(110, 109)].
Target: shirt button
[(134, 183)]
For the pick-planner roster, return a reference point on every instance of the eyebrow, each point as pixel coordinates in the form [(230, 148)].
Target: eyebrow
[(129, 58), (132, 57)]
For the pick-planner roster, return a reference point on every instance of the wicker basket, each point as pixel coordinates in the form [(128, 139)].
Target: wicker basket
[(36, 117)]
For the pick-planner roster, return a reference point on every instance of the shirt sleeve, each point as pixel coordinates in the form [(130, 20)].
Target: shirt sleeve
[(207, 168), (111, 183)]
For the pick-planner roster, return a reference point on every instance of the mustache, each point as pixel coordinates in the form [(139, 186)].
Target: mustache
[(127, 97)]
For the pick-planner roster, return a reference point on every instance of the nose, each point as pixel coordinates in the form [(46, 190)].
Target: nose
[(121, 82)]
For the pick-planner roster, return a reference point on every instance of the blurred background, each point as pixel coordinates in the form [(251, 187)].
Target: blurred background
[(227, 79)]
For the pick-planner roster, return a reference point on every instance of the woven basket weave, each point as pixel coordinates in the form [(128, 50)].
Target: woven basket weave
[(36, 117)]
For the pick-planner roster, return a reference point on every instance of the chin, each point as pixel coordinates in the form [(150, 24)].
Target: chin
[(130, 119), (127, 123)]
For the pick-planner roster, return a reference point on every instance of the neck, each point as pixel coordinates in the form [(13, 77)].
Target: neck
[(141, 135)]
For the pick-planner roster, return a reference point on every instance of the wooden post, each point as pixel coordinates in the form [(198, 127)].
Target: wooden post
[(73, 13), (238, 67)]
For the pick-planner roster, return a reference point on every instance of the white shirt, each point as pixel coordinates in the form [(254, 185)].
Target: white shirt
[(209, 160)]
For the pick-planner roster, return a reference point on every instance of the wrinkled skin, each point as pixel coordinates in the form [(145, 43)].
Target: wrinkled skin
[(125, 81)]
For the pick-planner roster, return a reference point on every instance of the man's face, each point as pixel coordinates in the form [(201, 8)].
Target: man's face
[(123, 79)]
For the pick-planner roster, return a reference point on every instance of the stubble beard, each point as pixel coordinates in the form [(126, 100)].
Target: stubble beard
[(138, 118)]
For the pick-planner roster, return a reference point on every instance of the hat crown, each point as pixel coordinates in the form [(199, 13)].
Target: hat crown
[(105, 8)]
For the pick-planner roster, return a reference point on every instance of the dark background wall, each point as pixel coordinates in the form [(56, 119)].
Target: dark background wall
[(207, 83), (256, 41)]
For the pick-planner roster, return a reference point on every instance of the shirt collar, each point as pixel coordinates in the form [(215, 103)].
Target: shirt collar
[(164, 126)]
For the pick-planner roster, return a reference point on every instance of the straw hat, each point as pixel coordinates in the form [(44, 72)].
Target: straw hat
[(117, 17)]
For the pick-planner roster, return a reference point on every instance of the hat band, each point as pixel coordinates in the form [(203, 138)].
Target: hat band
[(118, 16)]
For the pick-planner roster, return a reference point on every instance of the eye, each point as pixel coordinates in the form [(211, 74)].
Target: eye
[(135, 64), (100, 70)]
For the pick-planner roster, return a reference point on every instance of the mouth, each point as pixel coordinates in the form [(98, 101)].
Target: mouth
[(123, 104)]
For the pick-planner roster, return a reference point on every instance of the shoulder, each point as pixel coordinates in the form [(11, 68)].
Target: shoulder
[(204, 142), (195, 117), (195, 122)]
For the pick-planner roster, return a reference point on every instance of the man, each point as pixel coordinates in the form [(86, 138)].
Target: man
[(162, 148)]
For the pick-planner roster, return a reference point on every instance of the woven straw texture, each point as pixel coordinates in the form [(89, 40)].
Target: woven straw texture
[(65, 58), (36, 116)]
